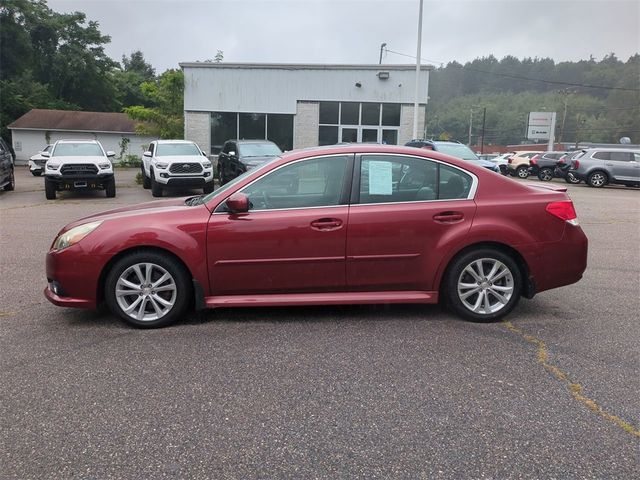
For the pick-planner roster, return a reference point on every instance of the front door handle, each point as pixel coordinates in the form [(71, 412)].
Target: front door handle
[(326, 224), (448, 217)]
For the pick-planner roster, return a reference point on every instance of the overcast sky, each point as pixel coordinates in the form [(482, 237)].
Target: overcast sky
[(351, 31)]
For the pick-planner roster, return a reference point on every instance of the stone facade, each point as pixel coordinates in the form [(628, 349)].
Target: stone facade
[(305, 125), (406, 123), (197, 128)]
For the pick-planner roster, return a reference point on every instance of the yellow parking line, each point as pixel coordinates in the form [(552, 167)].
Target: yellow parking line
[(7, 314), (574, 388)]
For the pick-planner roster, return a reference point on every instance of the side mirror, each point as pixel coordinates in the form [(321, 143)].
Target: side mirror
[(232, 153), (203, 154), (238, 203), (46, 154), (147, 153), (111, 154)]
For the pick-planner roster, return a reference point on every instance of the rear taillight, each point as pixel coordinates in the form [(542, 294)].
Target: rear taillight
[(510, 160), (575, 164), (534, 160), (561, 161), (564, 211)]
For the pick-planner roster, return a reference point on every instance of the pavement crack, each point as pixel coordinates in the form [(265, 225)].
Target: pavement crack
[(574, 388)]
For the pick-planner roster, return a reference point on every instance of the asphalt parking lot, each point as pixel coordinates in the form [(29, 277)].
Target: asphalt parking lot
[(332, 392)]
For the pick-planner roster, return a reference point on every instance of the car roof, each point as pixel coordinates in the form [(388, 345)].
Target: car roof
[(610, 149), (174, 141), (257, 140), (76, 141)]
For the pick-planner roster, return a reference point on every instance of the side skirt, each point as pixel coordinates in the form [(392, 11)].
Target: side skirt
[(340, 298)]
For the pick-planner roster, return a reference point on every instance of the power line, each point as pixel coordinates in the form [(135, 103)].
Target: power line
[(529, 79)]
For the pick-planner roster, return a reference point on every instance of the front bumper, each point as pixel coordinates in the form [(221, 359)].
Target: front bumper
[(80, 182), (37, 165), (174, 181)]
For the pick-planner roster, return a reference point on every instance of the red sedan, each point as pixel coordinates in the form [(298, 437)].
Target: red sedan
[(358, 224)]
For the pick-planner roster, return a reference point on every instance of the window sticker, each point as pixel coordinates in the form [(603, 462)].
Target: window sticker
[(380, 178)]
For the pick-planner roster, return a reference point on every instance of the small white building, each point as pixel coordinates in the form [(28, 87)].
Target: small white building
[(35, 129), (298, 106)]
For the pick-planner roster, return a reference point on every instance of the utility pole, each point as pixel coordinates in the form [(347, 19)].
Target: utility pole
[(417, 91), (484, 117), (381, 50), (470, 126)]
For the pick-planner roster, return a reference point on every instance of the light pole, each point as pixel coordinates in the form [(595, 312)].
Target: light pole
[(381, 49), (417, 91)]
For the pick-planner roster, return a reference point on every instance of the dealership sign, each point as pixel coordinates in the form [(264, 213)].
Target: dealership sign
[(540, 125)]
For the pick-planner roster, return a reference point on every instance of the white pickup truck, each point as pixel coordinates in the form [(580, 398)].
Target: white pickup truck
[(175, 164)]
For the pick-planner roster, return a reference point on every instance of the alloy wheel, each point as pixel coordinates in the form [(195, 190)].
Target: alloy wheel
[(485, 286), (597, 179), (146, 292)]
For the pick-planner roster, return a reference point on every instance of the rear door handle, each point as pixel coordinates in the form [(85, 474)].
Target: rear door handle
[(326, 224), (448, 217)]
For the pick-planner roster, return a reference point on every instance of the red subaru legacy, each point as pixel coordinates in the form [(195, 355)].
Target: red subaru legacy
[(358, 224)]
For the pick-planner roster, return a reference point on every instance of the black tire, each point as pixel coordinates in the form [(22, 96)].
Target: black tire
[(598, 179), (156, 188), (110, 188), (545, 174), (179, 298), (9, 187), (572, 179), (208, 187), (146, 181), (49, 189), (457, 273), (36, 173), (221, 179), (522, 171)]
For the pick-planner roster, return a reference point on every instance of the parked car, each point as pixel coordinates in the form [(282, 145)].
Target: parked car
[(502, 161), (239, 156), (518, 164), (365, 224), (78, 165), (602, 166), (543, 165), (175, 164), (7, 173), (37, 161), (456, 149), (563, 168)]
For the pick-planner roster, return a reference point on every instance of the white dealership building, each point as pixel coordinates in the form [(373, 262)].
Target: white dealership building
[(298, 106)]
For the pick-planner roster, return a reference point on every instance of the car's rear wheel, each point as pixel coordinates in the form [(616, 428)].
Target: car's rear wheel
[(221, 179), (148, 289), (545, 174), (598, 179), (110, 188), (156, 188), (49, 189), (482, 285), (146, 181), (522, 171)]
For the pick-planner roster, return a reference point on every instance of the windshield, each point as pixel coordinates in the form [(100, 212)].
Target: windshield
[(171, 149), (259, 150), (78, 150), (457, 150)]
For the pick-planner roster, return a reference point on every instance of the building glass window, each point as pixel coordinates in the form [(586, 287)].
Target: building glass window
[(251, 126), (358, 122), (329, 112), (224, 126), (280, 130)]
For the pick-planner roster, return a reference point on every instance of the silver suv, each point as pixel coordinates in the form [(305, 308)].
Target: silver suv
[(601, 166)]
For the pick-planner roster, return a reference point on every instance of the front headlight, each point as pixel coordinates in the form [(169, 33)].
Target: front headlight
[(73, 236), (104, 166), (52, 166), (206, 164), (162, 165)]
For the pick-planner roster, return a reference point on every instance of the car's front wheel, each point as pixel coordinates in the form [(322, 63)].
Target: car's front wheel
[(482, 285), (110, 188), (12, 181), (148, 289), (49, 189), (156, 188), (572, 179), (146, 181), (36, 173)]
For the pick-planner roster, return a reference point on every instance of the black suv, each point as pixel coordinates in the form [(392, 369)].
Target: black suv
[(7, 176), (543, 165), (238, 156), (455, 149)]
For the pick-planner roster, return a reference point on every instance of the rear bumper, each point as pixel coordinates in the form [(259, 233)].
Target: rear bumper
[(557, 264)]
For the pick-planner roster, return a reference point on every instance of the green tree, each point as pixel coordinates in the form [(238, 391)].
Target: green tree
[(166, 118)]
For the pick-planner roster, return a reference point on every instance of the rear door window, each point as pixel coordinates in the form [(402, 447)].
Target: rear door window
[(621, 156)]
